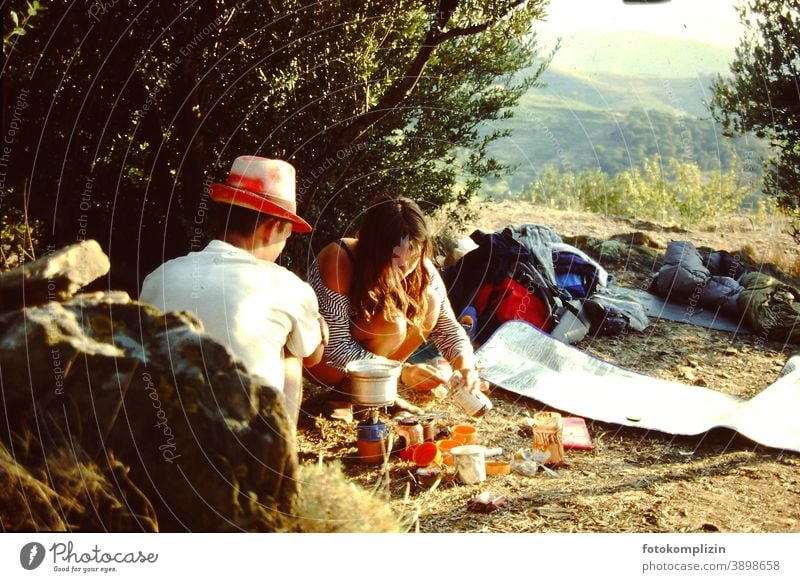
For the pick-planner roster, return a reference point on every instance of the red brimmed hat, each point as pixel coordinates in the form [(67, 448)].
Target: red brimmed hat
[(262, 185)]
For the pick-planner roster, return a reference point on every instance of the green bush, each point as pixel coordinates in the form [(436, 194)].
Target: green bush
[(677, 191), (20, 239)]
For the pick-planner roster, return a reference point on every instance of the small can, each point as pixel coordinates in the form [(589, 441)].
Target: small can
[(410, 430), (429, 429), (474, 404)]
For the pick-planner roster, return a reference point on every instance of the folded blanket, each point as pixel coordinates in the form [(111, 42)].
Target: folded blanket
[(770, 307)]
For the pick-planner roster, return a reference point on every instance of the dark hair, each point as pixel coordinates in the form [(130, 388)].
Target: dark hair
[(239, 220), (377, 288)]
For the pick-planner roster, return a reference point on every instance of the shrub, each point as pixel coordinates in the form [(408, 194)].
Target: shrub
[(327, 502)]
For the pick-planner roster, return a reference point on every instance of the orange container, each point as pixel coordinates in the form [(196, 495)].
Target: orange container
[(445, 446), (426, 454), (498, 467), (465, 434), (407, 454)]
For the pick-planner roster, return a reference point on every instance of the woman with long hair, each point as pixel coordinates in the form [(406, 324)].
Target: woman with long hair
[(382, 296)]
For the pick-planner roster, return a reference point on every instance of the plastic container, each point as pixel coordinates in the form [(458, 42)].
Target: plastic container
[(498, 467), (446, 446), (427, 454), (470, 463), (466, 434), (372, 442)]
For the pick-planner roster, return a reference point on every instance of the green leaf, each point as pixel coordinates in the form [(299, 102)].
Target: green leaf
[(15, 18)]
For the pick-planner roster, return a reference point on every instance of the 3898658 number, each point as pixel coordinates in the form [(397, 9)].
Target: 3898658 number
[(750, 565)]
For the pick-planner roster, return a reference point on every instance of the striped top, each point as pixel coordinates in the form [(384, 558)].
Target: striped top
[(448, 335)]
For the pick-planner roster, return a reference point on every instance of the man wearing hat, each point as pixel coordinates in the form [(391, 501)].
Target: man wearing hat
[(262, 312)]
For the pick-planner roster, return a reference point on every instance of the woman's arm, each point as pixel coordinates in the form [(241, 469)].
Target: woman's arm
[(449, 336)]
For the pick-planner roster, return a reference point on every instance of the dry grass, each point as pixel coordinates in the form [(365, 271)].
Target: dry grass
[(785, 259), (69, 492), (327, 502)]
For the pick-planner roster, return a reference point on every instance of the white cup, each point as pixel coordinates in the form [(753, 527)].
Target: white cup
[(470, 463)]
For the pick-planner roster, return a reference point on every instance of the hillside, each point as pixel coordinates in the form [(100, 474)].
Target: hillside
[(603, 104)]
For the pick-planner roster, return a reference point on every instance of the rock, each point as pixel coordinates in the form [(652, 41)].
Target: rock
[(638, 238), (205, 442), (54, 277), (613, 250)]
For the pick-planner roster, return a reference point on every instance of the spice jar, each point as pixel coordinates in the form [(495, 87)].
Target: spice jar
[(548, 436), (429, 428), (410, 430)]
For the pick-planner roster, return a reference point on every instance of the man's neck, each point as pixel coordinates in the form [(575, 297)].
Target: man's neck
[(243, 242), (252, 244)]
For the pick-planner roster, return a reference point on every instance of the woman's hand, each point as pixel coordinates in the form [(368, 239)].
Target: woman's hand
[(421, 376), (472, 381)]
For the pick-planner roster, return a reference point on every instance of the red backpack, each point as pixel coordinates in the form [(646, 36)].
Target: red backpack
[(509, 300)]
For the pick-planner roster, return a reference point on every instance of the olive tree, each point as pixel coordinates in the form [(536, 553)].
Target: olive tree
[(132, 108), (762, 94)]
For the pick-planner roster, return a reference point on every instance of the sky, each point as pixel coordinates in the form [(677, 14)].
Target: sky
[(712, 21)]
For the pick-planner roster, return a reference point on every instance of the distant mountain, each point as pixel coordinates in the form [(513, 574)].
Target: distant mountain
[(609, 101), (621, 92)]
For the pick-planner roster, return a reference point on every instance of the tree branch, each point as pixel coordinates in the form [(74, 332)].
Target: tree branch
[(477, 28), (404, 86)]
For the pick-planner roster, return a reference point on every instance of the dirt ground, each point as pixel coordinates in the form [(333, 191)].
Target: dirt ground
[(633, 480)]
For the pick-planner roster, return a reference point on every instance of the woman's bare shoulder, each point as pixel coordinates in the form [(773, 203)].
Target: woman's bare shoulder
[(336, 265), (431, 267)]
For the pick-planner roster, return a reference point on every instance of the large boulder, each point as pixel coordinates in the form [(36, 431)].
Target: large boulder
[(54, 277), (128, 386)]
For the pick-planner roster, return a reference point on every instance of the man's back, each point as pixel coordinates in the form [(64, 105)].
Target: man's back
[(252, 306)]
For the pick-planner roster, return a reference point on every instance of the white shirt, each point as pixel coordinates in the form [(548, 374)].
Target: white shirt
[(253, 307)]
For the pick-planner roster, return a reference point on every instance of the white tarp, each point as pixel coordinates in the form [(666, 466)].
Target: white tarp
[(528, 362)]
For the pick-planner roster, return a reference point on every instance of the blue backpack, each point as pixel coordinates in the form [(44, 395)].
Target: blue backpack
[(574, 274)]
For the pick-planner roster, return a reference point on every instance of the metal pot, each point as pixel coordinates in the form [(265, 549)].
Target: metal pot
[(373, 382)]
